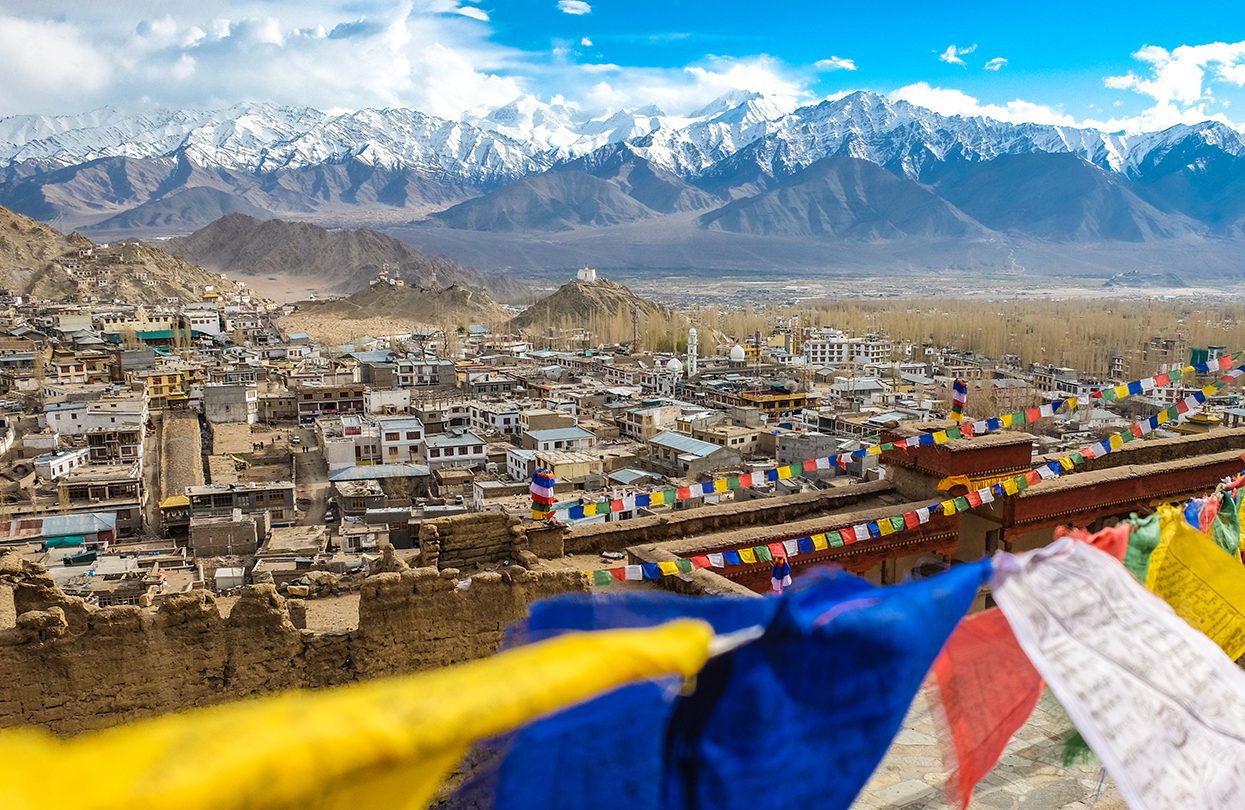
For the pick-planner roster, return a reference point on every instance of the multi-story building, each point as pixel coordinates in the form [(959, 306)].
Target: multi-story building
[(400, 438), (315, 400), (457, 448), (830, 347), (564, 438), (495, 417), (276, 498)]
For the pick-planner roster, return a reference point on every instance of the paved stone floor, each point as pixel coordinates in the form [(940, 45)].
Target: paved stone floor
[(1029, 775)]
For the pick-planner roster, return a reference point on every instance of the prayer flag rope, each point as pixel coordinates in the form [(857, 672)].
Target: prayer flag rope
[(894, 524), (937, 437)]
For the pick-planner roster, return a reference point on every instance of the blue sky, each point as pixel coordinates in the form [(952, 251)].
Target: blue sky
[(1142, 68)]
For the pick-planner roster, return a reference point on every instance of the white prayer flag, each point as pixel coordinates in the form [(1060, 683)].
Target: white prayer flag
[(716, 561), (986, 495), (922, 514), (792, 547), (634, 572), (862, 531), (1156, 700)]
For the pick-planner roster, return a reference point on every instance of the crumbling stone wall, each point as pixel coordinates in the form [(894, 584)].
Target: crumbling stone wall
[(473, 540), (72, 667)]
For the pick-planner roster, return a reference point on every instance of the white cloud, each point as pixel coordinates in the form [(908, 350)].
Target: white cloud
[(997, 63), (604, 67), (585, 42), (955, 102), (953, 53), (680, 91), (1180, 82), (576, 7), (472, 12), (835, 63), (47, 63)]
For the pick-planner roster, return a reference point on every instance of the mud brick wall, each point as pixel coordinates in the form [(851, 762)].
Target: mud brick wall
[(71, 667), (471, 541)]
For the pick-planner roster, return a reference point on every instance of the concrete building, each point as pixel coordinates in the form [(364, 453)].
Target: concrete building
[(400, 438), (830, 347), (678, 455), (51, 466), (275, 498), (457, 448), (566, 438), (224, 535), (228, 403)]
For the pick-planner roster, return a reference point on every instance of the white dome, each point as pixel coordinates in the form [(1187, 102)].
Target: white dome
[(674, 365), (738, 355)]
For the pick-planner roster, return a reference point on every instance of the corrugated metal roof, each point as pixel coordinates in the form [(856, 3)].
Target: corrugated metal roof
[(684, 445), (377, 471)]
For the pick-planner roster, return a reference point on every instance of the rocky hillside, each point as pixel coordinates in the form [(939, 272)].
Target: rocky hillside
[(383, 309), (601, 305), (40, 261), (346, 260)]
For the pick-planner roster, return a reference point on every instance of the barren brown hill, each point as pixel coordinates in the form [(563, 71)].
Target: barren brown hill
[(603, 307), (383, 309), (40, 261), (345, 260)]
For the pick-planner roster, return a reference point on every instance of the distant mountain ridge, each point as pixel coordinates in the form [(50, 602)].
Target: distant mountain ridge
[(739, 165), (349, 259)]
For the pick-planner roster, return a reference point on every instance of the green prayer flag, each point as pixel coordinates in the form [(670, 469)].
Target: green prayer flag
[(1109, 393), (962, 504), (732, 482), (1022, 483), (601, 577), (955, 433), (888, 446), (835, 539), (1077, 458), (1142, 540), (897, 522), (763, 554), (684, 565), (1225, 530)]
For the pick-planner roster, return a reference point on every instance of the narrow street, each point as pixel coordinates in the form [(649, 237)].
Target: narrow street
[(152, 455), (311, 478)]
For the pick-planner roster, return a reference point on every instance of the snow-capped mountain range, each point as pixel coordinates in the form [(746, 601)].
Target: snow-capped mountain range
[(541, 166), (528, 135)]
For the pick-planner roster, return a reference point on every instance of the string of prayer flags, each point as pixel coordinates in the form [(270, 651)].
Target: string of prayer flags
[(932, 438), (1155, 699), (959, 396), (1136, 555)]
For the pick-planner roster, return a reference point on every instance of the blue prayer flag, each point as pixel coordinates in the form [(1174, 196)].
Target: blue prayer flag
[(731, 558), (805, 545), (651, 570)]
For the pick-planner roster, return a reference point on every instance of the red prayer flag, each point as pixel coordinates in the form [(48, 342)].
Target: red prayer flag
[(911, 520), (974, 499), (1162, 380), (1033, 414), (1136, 431), (987, 690), (810, 465), (745, 480), (619, 573), (1182, 407), (777, 550), (849, 535), (1225, 361), (683, 493), (616, 505), (700, 561), (1032, 476), (1113, 540)]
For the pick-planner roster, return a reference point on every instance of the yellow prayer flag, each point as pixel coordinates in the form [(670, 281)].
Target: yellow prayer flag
[(948, 507), (820, 543), (1121, 392), (719, 485), (784, 472), (657, 498), (940, 437), (668, 567), (1210, 390), (1005, 420), (590, 509), (1204, 584), (747, 555), (1161, 417), (1009, 486), (1071, 403), (1066, 463), (885, 527), (1116, 441), (384, 743), (875, 450)]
